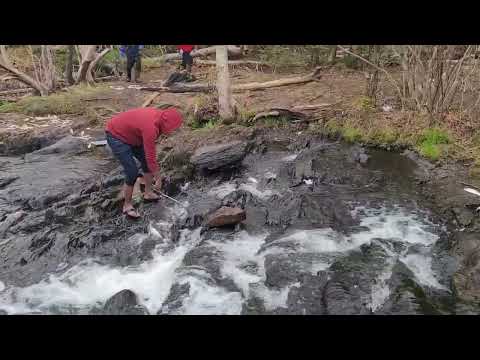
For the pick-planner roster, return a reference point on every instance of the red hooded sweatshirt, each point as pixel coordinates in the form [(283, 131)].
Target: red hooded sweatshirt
[(185, 48), (143, 126)]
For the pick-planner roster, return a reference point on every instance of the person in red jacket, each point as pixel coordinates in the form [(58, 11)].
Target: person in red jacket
[(187, 60), (132, 134)]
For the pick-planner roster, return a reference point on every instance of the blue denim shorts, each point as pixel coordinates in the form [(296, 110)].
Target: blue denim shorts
[(127, 154)]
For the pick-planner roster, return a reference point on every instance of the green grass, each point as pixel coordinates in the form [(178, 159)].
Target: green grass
[(351, 134), (71, 102), (195, 124), (365, 103), (384, 136), (432, 143), (275, 121)]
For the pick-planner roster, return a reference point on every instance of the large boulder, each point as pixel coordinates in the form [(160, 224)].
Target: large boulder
[(215, 157), (226, 216), (69, 145), (124, 302)]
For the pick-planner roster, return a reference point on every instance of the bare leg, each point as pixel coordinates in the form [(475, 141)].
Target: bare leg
[(149, 194), (127, 205)]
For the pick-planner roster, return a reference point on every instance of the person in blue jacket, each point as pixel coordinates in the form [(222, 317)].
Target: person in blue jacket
[(133, 54)]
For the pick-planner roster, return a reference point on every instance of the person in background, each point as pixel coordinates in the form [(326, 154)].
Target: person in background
[(133, 54), (132, 135), (187, 60)]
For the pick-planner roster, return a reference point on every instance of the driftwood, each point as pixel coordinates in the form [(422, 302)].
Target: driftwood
[(202, 87), (232, 51)]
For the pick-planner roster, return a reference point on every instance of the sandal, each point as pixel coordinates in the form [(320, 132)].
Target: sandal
[(128, 213), (150, 200)]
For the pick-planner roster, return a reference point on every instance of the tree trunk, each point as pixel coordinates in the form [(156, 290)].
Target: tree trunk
[(91, 68), (332, 55), (224, 90), (87, 55), (69, 65)]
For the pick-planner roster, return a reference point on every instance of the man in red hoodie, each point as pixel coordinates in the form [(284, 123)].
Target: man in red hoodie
[(187, 60), (132, 134)]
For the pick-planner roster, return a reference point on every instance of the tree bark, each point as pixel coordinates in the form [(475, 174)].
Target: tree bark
[(87, 55), (224, 90), (69, 65), (332, 55), (91, 67)]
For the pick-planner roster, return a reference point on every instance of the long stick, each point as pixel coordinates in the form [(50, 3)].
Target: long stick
[(168, 197)]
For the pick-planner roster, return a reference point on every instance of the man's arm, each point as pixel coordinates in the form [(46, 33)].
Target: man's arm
[(149, 136)]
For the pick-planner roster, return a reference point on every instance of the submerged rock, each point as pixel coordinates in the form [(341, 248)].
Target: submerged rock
[(124, 302)]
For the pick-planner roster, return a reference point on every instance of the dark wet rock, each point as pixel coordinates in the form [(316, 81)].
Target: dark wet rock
[(307, 299), (145, 249), (285, 269), (5, 181), (89, 238), (10, 220), (215, 157), (226, 216), (348, 291), (69, 145), (464, 216), (360, 156), (176, 296), (466, 281), (280, 271), (408, 297), (172, 184), (111, 181), (253, 306), (205, 257), (41, 201), (124, 302)]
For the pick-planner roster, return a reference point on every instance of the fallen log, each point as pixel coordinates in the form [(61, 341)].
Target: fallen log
[(314, 76), (232, 50), (16, 91), (180, 88), (202, 87), (256, 64), (294, 113)]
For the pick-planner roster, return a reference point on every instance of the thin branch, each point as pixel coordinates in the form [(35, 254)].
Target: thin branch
[(376, 67)]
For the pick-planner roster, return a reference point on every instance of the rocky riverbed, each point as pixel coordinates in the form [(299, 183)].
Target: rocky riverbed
[(323, 228)]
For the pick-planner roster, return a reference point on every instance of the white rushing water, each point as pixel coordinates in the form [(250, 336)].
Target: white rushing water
[(242, 259)]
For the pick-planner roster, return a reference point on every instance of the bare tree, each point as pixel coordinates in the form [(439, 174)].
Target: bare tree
[(43, 81), (87, 56), (69, 65), (225, 106), (332, 54)]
